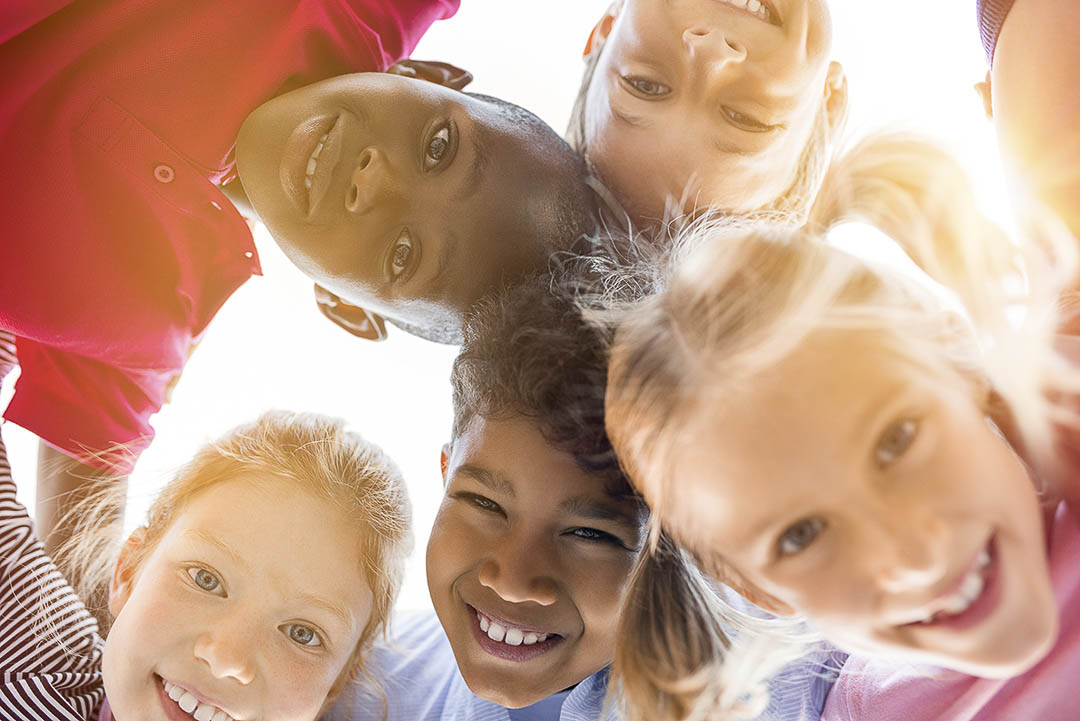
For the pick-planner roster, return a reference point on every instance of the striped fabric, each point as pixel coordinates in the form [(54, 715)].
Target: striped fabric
[(50, 650), (7, 353), (992, 14)]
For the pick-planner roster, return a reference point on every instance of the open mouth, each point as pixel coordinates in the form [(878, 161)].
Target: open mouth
[(181, 703), (510, 641), (308, 161), (973, 599), (761, 9)]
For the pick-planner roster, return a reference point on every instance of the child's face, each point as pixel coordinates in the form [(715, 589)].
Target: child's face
[(528, 545), (852, 486), (256, 618), (421, 197), (701, 96)]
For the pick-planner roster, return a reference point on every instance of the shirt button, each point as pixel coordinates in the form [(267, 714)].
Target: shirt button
[(164, 173), (248, 254)]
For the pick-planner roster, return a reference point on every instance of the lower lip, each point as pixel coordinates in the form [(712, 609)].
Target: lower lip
[(298, 148), (983, 606), (172, 710), (506, 651)]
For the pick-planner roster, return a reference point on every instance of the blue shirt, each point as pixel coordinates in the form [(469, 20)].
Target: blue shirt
[(419, 676)]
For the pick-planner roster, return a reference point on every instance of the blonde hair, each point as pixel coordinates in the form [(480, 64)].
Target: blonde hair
[(792, 206), (741, 295), (315, 453)]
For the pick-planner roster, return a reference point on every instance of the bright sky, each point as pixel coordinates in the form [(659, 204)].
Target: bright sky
[(910, 65)]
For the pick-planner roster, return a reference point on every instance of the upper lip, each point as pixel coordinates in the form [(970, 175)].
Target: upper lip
[(203, 698), (506, 621)]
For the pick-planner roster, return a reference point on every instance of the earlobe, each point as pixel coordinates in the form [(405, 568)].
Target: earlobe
[(600, 31), (433, 71), (123, 578), (836, 96), (444, 460), (358, 321)]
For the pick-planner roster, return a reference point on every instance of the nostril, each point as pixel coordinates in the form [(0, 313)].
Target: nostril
[(733, 45), (354, 195), (365, 160)]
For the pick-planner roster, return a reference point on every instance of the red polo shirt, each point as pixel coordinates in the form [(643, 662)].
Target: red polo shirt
[(118, 120)]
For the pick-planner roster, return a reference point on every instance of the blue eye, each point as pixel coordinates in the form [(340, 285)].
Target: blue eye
[(303, 635), (206, 580), (645, 88), (800, 535)]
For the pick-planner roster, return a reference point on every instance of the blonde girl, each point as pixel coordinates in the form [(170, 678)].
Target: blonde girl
[(818, 431), (731, 104), (264, 571)]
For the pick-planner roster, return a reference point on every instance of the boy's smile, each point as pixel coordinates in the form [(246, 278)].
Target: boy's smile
[(400, 195), (527, 563)]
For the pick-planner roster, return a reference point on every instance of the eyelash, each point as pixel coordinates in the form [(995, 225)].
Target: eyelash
[(634, 85), (745, 122), (445, 133), (486, 504)]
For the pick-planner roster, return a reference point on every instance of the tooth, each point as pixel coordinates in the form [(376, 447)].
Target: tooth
[(955, 605), (741, 4), (541, 637), (514, 637), (484, 624), (307, 182), (984, 559), (530, 639), (187, 702), (311, 163), (220, 715), (175, 693), (753, 6), (318, 149), (323, 138), (496, 632), (205, 712), (972, 587)]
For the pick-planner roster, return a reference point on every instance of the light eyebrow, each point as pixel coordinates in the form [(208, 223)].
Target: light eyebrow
[(338, 610), (484, 477), (212, 540)]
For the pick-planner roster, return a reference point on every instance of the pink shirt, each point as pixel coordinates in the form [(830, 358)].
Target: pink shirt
[(878, 690), (118, 120)]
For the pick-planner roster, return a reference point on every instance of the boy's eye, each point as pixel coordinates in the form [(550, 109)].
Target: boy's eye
[(591, 534), (745, 122), (206, 580), (303, 635), (895, 441), (485, 503), (644, 88), (400, 254), (800, 535), (437, 147)]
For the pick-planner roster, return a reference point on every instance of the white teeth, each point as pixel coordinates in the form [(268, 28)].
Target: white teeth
[(484, 623), (496, 632), (753, 6), (187, 702), (514, 637), (510, 636), (175, 692), (313, 161), (741, 4), (530, 639), (983, 560), (220, 715), (204, 712)]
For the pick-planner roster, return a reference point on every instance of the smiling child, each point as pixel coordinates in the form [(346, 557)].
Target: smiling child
[(212, 617), (123, 128), (732, 104)]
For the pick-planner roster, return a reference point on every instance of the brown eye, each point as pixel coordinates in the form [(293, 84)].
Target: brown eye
[(745, 122), (437, 147), (800, 535), (401, 254), (895, 441)]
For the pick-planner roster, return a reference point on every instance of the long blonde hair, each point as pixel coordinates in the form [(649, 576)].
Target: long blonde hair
[(315, 453), (739, 295)]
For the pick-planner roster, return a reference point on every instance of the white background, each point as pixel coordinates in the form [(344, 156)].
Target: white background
[(910, 65)]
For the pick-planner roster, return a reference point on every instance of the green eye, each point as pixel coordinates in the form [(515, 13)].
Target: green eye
[(797, 537), (895, 441)]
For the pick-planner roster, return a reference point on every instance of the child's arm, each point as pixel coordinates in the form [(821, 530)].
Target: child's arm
[(50, 651)]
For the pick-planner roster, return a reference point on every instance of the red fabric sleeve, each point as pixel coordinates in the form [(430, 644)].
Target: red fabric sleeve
[(61, 397), (401, 23)]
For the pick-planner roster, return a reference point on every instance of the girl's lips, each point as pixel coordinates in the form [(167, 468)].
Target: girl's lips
[(294, 159), (981, 607)]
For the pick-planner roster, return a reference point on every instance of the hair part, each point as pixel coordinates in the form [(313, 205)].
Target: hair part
[(312, 452)]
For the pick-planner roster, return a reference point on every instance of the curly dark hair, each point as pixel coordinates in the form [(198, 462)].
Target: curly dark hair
[(529, 352)]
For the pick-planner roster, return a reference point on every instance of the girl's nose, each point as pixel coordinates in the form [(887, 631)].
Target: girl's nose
[(712, 48), (227, 653), (911, 556), (367, 181)]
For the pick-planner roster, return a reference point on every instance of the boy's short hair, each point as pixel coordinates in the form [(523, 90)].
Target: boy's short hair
[(529, 352)]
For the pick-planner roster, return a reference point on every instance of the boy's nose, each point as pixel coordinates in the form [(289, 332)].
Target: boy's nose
[(367, 181), (518, 581)]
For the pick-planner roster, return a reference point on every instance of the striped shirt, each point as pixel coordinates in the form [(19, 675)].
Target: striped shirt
[(50, 650), (991, 14)]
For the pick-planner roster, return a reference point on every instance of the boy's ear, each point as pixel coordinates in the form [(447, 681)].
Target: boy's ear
[(433, 71), (358, 321), (444, 460), (735, 580), (836, 96), (123, 578), (983, 89), (600, 31)]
